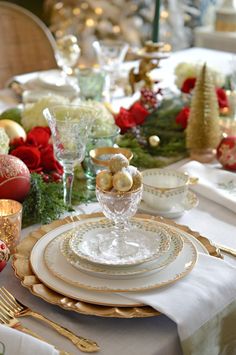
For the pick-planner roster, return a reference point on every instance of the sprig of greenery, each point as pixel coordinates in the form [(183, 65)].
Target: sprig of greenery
[(44, 202), (142, 158)]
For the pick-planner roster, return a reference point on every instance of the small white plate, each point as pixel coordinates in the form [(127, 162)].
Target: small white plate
[(190, 202), (152, 237)]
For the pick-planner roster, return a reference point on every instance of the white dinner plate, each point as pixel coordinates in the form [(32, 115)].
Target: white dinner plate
[(179, 268), (77, 293), (176, 245), (153, 238), (190, 202)]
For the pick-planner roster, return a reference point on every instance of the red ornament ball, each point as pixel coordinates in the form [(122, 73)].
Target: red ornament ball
[(14, 178), (226, 153)]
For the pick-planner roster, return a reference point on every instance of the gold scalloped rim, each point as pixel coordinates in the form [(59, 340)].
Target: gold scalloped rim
[(23, 271)]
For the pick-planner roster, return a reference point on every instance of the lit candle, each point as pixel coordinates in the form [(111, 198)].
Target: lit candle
[(10, 222), (155, 30)]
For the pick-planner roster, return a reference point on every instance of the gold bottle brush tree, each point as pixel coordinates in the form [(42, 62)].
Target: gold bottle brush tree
[(203, 132)]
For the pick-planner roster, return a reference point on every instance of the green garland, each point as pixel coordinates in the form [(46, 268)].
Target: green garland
[(44, 202)]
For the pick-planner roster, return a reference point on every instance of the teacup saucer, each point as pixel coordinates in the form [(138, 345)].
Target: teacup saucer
[(190, 202)]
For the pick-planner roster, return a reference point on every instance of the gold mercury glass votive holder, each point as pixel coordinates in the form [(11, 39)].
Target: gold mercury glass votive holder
[(10, 222)]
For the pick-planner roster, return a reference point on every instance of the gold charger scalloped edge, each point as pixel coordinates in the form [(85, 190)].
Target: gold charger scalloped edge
[(23, 271)]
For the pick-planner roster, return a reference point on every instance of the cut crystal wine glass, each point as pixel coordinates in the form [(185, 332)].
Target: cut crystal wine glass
[(70, 126), (67, 53), (111, 54)]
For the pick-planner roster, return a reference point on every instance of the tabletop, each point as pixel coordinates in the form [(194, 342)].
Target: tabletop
[(154, 335)]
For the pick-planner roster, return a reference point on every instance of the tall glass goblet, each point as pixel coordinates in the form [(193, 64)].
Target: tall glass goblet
[(111, 54), (67, 53), (70, 126)]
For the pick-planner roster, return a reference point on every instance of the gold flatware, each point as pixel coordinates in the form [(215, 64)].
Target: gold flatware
[(11, 304), (7, 318), (225, 249)]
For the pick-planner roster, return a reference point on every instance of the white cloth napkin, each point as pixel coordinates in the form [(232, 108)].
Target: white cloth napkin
[(215, 184), (15, 342), (195, 299)]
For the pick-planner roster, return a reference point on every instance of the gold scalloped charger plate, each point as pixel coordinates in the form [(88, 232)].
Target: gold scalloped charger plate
[(24, 272)]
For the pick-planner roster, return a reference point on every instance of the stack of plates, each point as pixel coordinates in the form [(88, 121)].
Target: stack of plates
[(67, 260)]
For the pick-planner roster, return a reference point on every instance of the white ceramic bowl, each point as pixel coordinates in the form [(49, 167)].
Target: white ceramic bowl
[(164, 188)]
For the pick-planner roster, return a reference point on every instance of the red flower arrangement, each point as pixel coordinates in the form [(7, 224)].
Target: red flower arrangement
[(132, 117), (37, 153)]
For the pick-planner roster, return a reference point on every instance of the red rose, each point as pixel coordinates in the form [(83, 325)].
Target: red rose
[(39, 136), (188, 85), (222, 98), (29, 155), (124, 120), (48, 161), (139, 112), (182, 117), (17, 142)]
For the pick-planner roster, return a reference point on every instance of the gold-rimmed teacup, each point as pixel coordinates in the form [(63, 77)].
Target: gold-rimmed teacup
[(165, 188)]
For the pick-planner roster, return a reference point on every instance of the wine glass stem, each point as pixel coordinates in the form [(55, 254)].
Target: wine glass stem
[(68, 178)]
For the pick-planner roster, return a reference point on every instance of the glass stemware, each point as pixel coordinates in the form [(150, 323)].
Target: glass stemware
[(67, 53), (119, 207), (70, 126), (111, 54)]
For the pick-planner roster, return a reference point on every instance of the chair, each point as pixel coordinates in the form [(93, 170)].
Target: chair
[(26, 44)]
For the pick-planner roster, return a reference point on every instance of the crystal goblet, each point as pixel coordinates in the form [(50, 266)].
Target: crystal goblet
[(119, 207), (111, 54), (67, 53), (70, 126)]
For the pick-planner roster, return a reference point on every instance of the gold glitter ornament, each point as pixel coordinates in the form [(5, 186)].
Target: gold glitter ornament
[(122, 181), (154, 141), (136, 176), (117, 162), (104, 180)]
